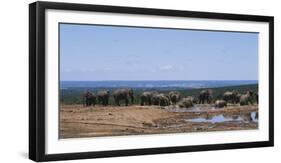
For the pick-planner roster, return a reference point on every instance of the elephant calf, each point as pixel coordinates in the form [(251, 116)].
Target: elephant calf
[(246, 98), (123, 94), (186, 102), (220, 104)]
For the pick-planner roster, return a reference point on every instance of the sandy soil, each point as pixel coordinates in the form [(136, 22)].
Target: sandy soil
[(78, 121)]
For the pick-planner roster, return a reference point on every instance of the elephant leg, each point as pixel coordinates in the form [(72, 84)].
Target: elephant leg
[(107, 101), (100, 100), (126, 101), (86, 102), (117, 102), (104, 102), (142, 102), (149, 102), (92, 102)]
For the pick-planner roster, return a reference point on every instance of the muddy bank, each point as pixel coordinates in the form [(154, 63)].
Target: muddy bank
[(78, 121)]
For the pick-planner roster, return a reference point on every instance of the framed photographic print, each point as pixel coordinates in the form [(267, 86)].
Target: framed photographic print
[(111, 81)]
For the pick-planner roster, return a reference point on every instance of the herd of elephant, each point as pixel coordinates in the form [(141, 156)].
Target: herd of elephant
[(126, 95), (102, 97)]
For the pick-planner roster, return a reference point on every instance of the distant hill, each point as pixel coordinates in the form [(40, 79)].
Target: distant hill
[(186, 84)]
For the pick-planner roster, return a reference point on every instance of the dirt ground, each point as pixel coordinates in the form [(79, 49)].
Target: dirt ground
[(78, 121)]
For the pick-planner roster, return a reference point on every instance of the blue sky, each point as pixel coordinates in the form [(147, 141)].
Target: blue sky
[(92, 53)]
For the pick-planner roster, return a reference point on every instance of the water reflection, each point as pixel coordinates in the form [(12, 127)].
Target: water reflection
[(250, 117)]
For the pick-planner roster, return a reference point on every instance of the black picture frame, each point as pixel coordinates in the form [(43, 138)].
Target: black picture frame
[(37, 80)]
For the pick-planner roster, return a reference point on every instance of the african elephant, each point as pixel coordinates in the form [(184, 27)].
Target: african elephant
[(186, 102), (155, 99), (174, 96), (103, 97), (246, 98), (220, 104), (146, 98), (123, 94), (160, 99), (193, 99), (238, 98), (205, 95), (89, 99), (230, 96), (164, 100)]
